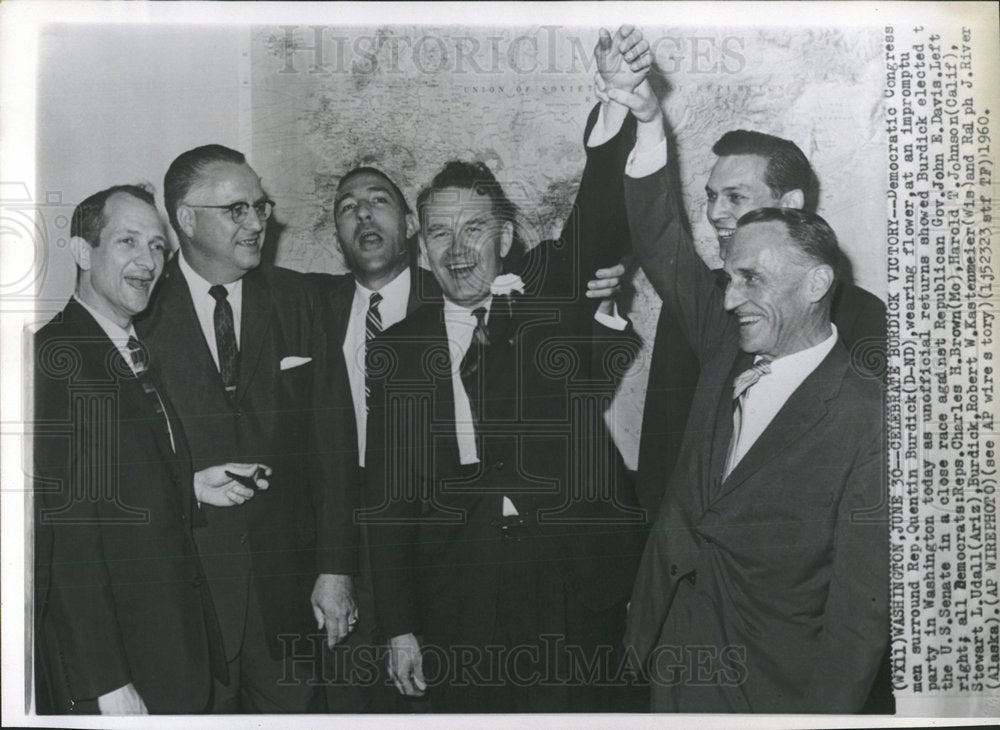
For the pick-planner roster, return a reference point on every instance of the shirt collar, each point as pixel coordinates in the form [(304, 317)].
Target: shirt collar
[(198, 285), (400, 286), (802, 362), (115, 333), (454, 312)]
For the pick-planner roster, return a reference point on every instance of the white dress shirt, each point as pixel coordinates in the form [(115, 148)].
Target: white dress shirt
[(460, 323), (392, 309), (204, 304), (766, 397)]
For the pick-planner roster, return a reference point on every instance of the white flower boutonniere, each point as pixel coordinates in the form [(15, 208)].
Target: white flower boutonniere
[(505, 284)]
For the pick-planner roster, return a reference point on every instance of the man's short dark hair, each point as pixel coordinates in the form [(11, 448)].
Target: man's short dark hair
[(812, 235), (478, 177), (787, 166), (366, 169), (88, 217), (184, 172)]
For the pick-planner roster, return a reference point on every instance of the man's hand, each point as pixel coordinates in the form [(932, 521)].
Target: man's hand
[(624, 60), (406, 666), (606, 282), (213, 486), (122, 701), (334, 606), (642, 102)]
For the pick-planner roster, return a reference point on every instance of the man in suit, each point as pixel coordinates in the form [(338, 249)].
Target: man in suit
[(376, 231), (764, 583), (753, 170), (245, 357), (494, 576), (124, 620)]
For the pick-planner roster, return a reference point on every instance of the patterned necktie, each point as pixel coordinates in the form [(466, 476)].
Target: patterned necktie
[(373, 328), (140, 364), (225, 339), (474, 356), (744, 381)]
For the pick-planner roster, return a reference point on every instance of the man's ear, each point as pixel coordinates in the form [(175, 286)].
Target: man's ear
[(793, 199), (81, 252), (186, 219), (411, 225), (818, 282), (506, 238)]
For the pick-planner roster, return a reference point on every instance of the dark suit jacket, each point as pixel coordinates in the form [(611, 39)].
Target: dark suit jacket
[(298, 421), (548, 376), (784, 562), (119, 587)]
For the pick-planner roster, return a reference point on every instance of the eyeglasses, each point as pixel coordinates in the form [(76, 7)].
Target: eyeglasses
[(239, 211)]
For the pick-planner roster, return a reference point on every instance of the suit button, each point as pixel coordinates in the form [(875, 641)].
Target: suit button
[(673, 569), (237, 415), (243, 539), (499, 464), (196, 582)]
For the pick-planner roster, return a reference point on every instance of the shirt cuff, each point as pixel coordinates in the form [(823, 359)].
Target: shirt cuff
[(643, 161), (613, 321), (599, 135)]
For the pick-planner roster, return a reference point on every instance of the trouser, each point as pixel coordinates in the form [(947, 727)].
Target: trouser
[(258, 683)]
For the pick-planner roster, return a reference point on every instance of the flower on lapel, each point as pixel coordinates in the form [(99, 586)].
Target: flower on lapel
[(505, 284)]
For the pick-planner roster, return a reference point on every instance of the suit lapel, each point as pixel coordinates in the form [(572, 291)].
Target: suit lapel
[(722, 434), (805, 408), (254, 325), (181, 327)]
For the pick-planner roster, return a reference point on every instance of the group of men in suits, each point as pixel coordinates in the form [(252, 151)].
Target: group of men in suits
[(415, 462)]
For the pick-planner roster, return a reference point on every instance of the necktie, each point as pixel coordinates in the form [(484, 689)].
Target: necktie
[(373, 328), (744, 381), (225, 339), (470, 366), (140, 364)]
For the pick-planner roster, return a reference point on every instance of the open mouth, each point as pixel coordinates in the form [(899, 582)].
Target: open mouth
[(249, 242), (724, 234), (141, 283), (368, 239), (746, 320), (461, 268)]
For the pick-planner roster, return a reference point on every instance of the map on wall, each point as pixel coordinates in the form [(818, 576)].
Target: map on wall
[(405, 99)]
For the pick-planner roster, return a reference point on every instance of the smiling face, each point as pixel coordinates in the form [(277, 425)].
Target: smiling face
[(736, 186), (220, 250), (117, 276), (774, 293), (465, 242), (372, 228)]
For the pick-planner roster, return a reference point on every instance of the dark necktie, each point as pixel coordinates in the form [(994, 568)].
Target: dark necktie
[(225, 339), (744, 381), (140, 364), (373, 328), (472, 362)]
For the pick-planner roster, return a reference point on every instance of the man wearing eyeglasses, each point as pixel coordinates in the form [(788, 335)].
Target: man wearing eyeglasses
[(244, 353)]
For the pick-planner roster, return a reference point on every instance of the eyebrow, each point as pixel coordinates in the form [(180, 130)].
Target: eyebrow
[(370, 188)]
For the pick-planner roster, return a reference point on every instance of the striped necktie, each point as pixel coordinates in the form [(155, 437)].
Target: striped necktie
[(744, 381), (140, 365), (373, 328)]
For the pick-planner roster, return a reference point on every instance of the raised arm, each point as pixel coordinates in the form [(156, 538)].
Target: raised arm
[(659, 233)]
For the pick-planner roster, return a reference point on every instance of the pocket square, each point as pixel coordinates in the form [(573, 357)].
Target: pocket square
[(293, 361)]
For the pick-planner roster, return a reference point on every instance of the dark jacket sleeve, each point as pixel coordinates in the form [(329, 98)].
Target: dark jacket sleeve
[(666, 252), (334, 468), (79, 605)]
